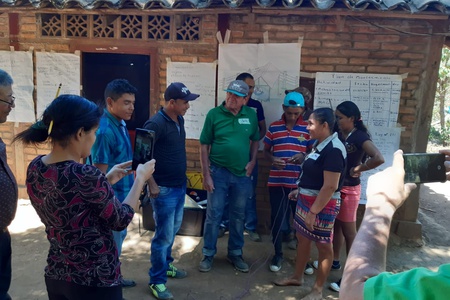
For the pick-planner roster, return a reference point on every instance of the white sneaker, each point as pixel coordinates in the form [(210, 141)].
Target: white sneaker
[(336, 286), (309, 269), (315, 264)]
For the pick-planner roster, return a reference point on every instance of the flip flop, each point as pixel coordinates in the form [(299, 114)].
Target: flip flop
[(287, 282)]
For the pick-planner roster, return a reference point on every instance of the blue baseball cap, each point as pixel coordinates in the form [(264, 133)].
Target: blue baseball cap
[(238, 87), (294, 99)]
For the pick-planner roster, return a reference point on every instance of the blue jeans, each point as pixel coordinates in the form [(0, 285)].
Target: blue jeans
[(168, 214), (237, 189), (251, 219), (119, 237)]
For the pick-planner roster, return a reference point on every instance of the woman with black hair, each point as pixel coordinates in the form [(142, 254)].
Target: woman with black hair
[(318, 199), (76, 202), (355, 136)]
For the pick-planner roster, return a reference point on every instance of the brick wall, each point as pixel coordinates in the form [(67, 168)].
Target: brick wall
[(332, 44)]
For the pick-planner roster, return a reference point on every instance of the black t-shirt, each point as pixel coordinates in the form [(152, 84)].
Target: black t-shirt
[(170, 149), (355, 154), (330, 155)]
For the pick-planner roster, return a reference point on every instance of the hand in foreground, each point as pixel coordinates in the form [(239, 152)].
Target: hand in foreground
[(144, 171), (388, 187), (293, 195), (447, 161), (118, 172), (279, 163), (249, 168)]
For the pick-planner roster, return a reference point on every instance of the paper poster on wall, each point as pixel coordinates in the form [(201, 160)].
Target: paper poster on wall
[(377, 95), (387, 141), (19, 64), (275, 68), (53, 69), (200, 78)]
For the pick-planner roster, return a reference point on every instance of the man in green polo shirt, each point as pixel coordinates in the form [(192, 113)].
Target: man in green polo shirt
[(229, 134)]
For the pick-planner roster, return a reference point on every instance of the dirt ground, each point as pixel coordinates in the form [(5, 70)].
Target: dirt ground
[(223, 282)]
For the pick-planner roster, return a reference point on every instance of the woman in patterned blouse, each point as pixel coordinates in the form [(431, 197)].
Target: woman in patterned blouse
[(77, 204)]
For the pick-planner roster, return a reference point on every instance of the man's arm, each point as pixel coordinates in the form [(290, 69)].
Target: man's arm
[(254, 145), (262, 129), (386, 192), (208, 183)]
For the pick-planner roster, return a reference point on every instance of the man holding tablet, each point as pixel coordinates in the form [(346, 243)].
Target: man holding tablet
[(167, 188)]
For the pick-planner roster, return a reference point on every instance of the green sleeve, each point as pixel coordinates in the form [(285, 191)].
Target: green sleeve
[(206, 137), (418, 283)]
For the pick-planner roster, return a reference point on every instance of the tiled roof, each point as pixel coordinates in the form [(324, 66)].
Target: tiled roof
[(413, 6)]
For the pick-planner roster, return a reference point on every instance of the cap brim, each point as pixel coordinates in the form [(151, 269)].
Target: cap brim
[(236, 93), (191, 97)]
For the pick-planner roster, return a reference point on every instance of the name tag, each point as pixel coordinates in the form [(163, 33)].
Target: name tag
[(244, 121), (313, 156)]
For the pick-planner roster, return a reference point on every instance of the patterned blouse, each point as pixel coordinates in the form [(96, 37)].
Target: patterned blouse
[(78, 208)]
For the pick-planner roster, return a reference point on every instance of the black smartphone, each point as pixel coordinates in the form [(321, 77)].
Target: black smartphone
[(424, 167), (143, 147)]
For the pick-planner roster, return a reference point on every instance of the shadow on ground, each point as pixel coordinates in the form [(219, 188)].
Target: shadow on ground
[(222, 282)]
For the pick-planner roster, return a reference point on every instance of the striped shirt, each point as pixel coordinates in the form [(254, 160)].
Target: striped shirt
[(286, 143)]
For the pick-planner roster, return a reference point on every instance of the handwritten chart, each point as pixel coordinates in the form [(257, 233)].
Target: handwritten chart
[(53, 69), (19, 64), (200, 78), (378, 98), (377, 95)]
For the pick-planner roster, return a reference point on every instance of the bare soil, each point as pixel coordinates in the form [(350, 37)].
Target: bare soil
[(223, 282)]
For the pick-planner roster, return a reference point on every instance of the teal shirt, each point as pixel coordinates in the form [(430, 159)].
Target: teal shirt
[(418, 283), (230, 137), (113, 146)]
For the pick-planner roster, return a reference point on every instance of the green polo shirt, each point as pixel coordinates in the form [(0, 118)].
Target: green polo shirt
[(229, 137)]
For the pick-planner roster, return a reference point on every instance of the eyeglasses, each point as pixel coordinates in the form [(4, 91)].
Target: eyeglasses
[(12, 103)]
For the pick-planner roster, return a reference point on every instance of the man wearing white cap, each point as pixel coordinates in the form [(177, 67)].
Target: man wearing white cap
[(229, 134)]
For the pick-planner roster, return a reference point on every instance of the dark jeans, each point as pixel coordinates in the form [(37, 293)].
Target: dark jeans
[(251, 218), (63, 290), (5, 263), (281, 208)]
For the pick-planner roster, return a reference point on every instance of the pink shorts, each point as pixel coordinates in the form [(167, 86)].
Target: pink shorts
[(350, 196)]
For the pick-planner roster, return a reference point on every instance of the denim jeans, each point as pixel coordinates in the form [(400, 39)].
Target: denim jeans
[(281, 210), (237, 189), (119, 237), (168, 214), (251, 219)]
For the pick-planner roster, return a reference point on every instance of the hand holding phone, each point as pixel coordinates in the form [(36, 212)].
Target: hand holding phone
[(143, 147), (424, 167)]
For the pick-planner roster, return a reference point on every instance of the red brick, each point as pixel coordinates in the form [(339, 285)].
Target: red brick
[(351, 69), (318, 68), (410, 55), (384, 54), (355, 53), (361, 37), (209, 25), (332, 60), (311, 44), (286, 35), (336, 44), (320, 36), (383, 70), (272, 27), (368, 45), (308, 59), (393, 62), (171, 50), (394, 47), (416, 63), (385, 38), (363, 61)]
